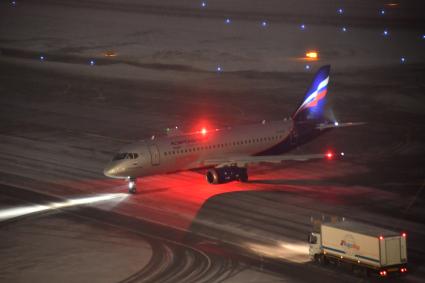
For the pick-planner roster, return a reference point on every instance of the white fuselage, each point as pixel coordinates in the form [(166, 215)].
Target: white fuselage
[(183, 152)]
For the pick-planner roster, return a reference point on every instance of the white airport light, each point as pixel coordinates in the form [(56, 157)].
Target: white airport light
[(203, 4), (403, 60), (92, 62), (307, 67), (340, 11), (342, 153), (219, 69), (302, 26), (386, 32), (382, 12), (423, 36), (227, 21), (13, 3), (336, 123), (344, 29), (41, 58), (264, 24)]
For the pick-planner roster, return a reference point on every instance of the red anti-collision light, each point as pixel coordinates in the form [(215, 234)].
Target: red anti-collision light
[(403, 234), (204, 131), (329, 155), (381, 237)]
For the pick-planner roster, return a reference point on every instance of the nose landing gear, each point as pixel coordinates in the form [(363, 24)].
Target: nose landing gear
[(132, 188)]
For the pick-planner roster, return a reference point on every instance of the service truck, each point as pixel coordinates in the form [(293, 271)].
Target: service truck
[(363, 247)]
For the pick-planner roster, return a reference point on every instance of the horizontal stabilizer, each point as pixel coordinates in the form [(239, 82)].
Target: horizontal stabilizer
[(324, 126)]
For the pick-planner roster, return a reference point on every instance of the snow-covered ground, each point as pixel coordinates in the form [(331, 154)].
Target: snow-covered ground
[(62, 119)]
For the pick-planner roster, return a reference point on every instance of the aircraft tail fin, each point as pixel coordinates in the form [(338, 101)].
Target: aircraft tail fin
[(312, 107)]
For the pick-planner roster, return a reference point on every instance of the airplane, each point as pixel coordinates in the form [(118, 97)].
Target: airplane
[(227, 152)]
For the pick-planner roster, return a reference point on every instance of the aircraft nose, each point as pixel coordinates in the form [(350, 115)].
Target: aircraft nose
[(109, 171)]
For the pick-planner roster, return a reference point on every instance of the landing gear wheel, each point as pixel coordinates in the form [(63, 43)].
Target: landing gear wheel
[(132, 188), (243, 175)]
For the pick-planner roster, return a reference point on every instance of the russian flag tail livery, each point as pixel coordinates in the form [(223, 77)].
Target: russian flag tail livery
[(313, 105)]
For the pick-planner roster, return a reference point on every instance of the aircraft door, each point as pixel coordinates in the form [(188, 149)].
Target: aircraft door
[(153, 150)]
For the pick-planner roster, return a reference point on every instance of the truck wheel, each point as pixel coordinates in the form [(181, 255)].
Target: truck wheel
[(321, 259)]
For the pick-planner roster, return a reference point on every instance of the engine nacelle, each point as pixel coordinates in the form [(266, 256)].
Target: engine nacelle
[(226, 174)]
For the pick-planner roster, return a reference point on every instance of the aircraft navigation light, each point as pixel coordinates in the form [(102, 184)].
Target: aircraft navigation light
[(312, 55)]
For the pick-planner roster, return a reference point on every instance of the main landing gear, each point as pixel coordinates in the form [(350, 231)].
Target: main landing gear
[(132, 186)]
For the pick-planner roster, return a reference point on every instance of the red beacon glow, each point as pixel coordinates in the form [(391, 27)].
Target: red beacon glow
[(204, 131), (329, 155), (381, 237), (404, 235)]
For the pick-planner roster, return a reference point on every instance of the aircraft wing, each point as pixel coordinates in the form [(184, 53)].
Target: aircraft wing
[(242, 161)]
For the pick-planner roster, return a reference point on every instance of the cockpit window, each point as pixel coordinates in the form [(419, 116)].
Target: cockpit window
[(125, 155), (119, 156)]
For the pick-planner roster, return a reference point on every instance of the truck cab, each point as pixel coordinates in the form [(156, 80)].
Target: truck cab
[(315, 247)]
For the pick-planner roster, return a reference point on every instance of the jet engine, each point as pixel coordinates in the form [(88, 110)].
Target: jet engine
[(226, 174)]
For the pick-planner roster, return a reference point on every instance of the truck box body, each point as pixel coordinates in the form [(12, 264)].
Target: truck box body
[(362, 243)]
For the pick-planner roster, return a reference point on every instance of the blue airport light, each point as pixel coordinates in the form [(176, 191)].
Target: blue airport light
[(386, 32), (42, 58), (423, 36), (219, 69), (203, 4), (264, 24), (403, 60), (340, 11), (13, 3), (227, 21), (92, 62), (302, 27), (382, 12), (344, 29)]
